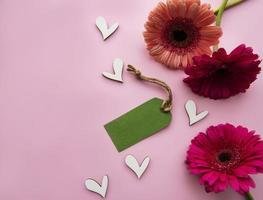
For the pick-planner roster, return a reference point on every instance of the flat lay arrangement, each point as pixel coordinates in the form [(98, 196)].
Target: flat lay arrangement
[(156, 100)]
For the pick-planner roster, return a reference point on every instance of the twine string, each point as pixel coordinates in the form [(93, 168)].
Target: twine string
[(167, 104)]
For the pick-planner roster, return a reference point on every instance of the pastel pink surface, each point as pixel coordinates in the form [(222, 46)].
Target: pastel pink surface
[(54, 102)]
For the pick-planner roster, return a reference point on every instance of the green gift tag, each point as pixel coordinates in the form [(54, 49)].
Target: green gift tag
[(138, 124)]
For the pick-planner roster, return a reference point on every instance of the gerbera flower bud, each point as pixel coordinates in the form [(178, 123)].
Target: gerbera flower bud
[(180, 29), (225, 156), (221, 75)]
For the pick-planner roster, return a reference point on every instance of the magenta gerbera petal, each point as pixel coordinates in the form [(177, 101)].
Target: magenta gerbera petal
[(223, 75), (224, 156)]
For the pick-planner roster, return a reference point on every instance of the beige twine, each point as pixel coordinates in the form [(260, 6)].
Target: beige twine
[(167, 104)]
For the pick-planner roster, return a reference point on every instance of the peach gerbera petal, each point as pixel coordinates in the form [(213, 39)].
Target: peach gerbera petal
[(171, 9), (192, 11), (181, 9), (184, 60), (205, 16), (210, 31), (157, 50), (178, 30), (190, 2)]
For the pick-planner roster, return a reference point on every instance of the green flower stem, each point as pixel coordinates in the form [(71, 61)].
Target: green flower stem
[(249, 196), (219, 17), (230, 4)]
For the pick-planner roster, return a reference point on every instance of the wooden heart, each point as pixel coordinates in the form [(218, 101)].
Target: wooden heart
[(132, 163), (103, 27), (190, 107), (117, 68), (93, 186)]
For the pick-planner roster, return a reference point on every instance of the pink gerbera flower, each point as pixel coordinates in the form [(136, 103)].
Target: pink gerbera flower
[(221, 75), (225, 156), (180, 29)]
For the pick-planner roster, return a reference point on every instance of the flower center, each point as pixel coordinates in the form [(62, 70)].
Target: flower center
[(224, 157), (181, 35), (178, 35), (220, 72)]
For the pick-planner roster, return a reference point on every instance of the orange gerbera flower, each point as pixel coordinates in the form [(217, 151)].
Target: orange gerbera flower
[(180, 29)]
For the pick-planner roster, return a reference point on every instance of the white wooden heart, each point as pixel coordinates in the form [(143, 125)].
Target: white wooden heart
[(93, 186), (190, 107), (103, 27), (117, 68), (132, 163)]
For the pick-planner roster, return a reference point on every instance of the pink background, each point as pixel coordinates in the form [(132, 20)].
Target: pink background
[(54, 102)]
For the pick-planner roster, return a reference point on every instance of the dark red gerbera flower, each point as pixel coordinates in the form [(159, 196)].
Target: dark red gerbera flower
[(221, 75), (226, 156)]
